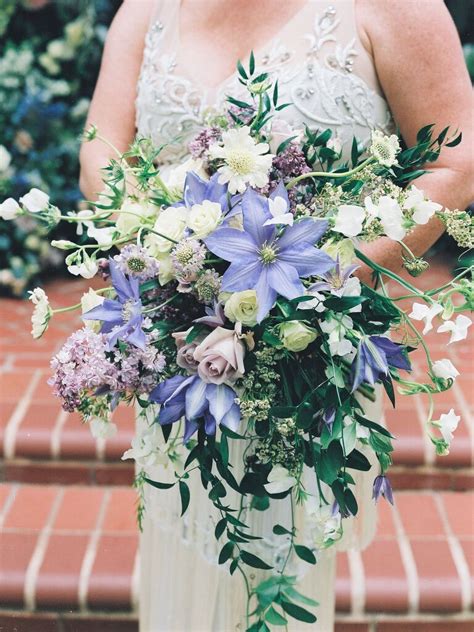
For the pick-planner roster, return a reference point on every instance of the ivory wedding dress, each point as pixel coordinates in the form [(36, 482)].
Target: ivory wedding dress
[(329, 78)]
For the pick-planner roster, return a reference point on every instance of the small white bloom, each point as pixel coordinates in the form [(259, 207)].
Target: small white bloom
[(9, 209), (87, 269), (457, 328), (423, 209), (419, 311), (146, 448), (204, 218), (245, 161), (325, 527), (279, 480), (384, 148), (35, 201), (278, 207), (316, 303), (90, 300), (103, 236), (349, 220), (41, 314), (102, 428), (445, 369), (391, 218), (5, 158), (175, 177), (447, 423), (80, 225)]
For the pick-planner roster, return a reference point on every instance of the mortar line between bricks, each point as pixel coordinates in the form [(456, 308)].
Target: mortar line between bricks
[(465, 408), (135, 591), (8, 503), (55, 444), (90, 554), (408, 562), (356, 567), (429, 453), (15, 420), (457, 554), (31, 575)]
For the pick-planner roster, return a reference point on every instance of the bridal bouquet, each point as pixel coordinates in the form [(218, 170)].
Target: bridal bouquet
[(233, 313)]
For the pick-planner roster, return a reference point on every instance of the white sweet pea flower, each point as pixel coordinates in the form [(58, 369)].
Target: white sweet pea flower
[(349, 220), (279, 480), (336, 330), (423, 209), (419, 311), (102, 428), (278, 208), (457, 328), (204, 218), (447, 424), (103, 236), (9, 209), (5, 158), (326, 526), (316, 303), (445, 369), (41, 314), (35, 201), (146, 448), (246, 163), (371, 208), (87, 269), (84, 214), (391, 218)]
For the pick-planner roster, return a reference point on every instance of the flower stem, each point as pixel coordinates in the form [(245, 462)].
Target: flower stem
[(78, 305), (329, 174)]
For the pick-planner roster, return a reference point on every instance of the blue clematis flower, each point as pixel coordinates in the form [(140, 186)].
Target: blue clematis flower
[(265, 259), (194, 399), (197, 190), (383, 488), (375, 356), (121, 317)]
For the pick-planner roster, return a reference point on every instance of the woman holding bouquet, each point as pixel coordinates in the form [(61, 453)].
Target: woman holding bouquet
[(353, 66)]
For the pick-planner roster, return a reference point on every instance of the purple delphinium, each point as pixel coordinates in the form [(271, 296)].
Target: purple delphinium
[(383, 488), (193, 399), (266, 260), (122, 317), (201, 143), (136, 262), (375, 356)]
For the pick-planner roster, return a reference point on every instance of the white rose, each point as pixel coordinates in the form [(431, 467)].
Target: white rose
[(90, 300), (5, 158), (204, 218), (242, 307), (349, 220), (133, 215), (171, 223), (445, 369), (166, 269), (175, 177), (9, 209), (35, 200)]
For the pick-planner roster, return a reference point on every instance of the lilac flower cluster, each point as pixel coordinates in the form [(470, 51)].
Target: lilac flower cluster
[(290, 162), (138, 369), (201, 143)]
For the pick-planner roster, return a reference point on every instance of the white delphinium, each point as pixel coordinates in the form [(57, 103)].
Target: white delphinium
[(445, 369), (426, 314), (9, 209), (457, 328), (447, 424), (384, 148), (246, 163), (41, 314), (35, 201), (349, 220), (423, 209)]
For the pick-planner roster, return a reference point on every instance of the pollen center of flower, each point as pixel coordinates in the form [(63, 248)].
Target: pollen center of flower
[(136, 265), (184, 254), (383, 151), (241, 162), (268, 254), (129, 309)]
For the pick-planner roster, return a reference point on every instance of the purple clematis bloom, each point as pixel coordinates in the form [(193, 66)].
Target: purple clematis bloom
[(266, 260), (192, 398), (121, 317), (197, 190), (335, 280), (375, 356), (383, 488), (214, 317)]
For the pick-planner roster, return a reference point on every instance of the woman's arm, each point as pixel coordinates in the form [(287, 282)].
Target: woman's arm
[(420, 65), (112, 108)]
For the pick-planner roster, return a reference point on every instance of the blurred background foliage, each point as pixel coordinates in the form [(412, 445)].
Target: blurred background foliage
[(49, 59)]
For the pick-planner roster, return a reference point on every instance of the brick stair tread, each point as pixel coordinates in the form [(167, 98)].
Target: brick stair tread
[(74, 548)]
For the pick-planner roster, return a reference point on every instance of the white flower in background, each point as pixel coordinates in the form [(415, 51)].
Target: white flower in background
[(391, 217), (166, 271), (103, 236), (335, 144), (41, 314), (384, 148), (204, 218), (246, 162), (278, 207), (171, 223), (419, 311), (457, 328), (447, 424), (9, 209), (90, 300), (316, 303), (132, 215), (146, 448), (87, 269), (325, 525), (423, 209), (445, 369), (279, 480), (5, 158), (175, 177), (60, 49), (281, 131), (102, 428), (349, 220), (336, 330), (35, 201)]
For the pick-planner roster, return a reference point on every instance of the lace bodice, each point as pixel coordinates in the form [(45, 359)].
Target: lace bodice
[(322, 68)]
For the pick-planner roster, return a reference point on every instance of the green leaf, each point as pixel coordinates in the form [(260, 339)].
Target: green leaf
[(274, 618), (252, 560), (358, 461), (305, 553), (241, 70), (252, 63), (293, 595), (226, 552), (220, 528), (344, 303), (185, 496), (217, 491), (283, 145), (351, 502), (275, 94), (354, 152), (282, 412), (230, 433), (279, 530), (159, 485), (224, 448), (456, 141), (373, 426), (380, 442), (297, 612)]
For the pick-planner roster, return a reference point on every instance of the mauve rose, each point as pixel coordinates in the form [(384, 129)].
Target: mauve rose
[(185, 356), (221, 356)]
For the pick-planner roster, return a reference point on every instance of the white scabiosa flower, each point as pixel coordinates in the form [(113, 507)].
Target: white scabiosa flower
[(457, 328), (41, 314), (349, 220), (423, 209), (35, 201), (384, 148), (279, 480), (445, 369), (9, 209), (426, 314), (245, 161)]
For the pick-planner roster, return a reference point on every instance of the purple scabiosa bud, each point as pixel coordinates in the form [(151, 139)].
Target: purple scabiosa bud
[(383, 488)]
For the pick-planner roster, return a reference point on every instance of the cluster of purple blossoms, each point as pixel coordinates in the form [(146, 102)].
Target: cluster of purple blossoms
[(135, 261), (138, 369), (201, 143), (187, 259), (290, 162), (82, 366)]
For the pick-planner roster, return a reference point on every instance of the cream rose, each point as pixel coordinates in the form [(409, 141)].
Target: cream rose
[(133, 215), (185, 356), (242, 307), (171, 223), (175, 177), (220, 356), (204, 218), (296, 336)]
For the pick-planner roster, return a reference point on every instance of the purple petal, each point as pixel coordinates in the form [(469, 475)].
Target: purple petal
[(280, 191), (190, 428), (209, 424), (284, 279), (231, 419), (255, 213), (240, 277), (171, 413), (194, 189), (164, 390), (196, 402), (220, 398), (266, 295), (395, 353), (307, 230), (135, 335), (232, 245), (108, 311), (125, 289), (306, 259)]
